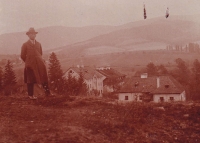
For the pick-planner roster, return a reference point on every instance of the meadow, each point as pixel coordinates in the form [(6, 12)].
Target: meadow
[(64, 119)]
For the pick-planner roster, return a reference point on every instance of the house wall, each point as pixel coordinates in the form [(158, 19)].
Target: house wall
[(183, 96), (131, 96), (177, 97), (100, 85), (94, 83), (156, 97)]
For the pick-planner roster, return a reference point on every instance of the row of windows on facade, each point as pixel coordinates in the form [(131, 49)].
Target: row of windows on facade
[(161, 98)]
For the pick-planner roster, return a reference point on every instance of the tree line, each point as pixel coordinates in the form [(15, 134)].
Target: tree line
[(65, 85), (8, 81), (191, 48), (189, 77), (57, 81)]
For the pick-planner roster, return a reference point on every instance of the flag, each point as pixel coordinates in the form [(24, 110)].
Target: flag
[(145, 15), (167, 13)]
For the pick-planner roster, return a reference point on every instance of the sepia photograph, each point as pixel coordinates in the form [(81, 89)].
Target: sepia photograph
[(99, 71)]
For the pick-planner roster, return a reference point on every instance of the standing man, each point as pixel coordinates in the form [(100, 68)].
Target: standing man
[(35, 69)]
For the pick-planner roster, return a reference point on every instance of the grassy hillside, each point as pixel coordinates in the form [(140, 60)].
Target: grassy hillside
[(79, 120)]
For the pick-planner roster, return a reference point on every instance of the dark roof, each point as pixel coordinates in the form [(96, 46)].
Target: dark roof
[(110, 73), (137, 84), (87, 72)]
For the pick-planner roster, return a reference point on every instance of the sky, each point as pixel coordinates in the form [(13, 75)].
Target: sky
[(19, 15)]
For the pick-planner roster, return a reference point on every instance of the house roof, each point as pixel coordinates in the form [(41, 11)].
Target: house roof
[(110, 73), (168, 85), (88, 72)]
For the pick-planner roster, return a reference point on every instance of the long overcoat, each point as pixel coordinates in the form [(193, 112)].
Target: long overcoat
[(31, 54)]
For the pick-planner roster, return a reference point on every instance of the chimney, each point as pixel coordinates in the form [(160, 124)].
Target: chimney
[(144, 75), (158, 82)]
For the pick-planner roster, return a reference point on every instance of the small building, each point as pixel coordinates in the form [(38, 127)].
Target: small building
[(92, 78), (113, 79), (154, 88)]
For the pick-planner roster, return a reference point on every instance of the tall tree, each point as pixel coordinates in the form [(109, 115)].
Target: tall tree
[(55, 73), (183, 75), (183, 72), (162, 70), (71, 85), (68, 83), (151, 69), (9, 78), (82, 86), (195, 82)]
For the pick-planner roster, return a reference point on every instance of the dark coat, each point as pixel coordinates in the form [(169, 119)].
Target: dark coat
[(31, 54)]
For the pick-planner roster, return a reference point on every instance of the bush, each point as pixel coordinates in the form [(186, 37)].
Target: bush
[(110, 95)]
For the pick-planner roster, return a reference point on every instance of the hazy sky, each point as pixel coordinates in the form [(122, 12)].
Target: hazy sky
[(19, 15)]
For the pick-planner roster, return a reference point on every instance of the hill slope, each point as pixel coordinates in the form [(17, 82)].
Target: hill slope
[(142, 35), (52, 37), (145, 34)]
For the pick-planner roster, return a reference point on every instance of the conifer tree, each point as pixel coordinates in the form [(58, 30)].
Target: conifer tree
[(151, 69), (183, 72), (82, 86), (9, 78), (162, 70), (68, 83), (74, 86), (71, 85), (195, 82), (55, 74)]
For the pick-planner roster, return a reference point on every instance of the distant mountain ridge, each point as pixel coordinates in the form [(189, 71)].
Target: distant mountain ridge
[(146, 34), (51, 37), (141, 35)]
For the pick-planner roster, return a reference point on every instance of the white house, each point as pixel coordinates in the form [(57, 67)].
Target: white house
[(113, 78), (157, 89), (92, 78)]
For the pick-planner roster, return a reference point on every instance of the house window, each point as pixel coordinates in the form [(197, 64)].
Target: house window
[(126, 97), (161, 99), (171, 98), (140, 97)]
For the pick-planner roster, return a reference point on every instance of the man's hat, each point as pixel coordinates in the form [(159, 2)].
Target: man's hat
[(31, 30)]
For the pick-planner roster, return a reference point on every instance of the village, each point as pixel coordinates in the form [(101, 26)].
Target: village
[(107, 81), (109, 71), (141, 88), (102, 104)]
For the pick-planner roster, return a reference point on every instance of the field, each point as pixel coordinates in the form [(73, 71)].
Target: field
[(64, 119), (129, 59), (125, 62)]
